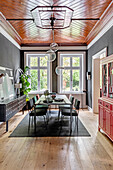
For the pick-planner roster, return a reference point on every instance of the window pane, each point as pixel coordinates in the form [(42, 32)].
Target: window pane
[(66, 61), (66, 80), (75, 61), (76, 80), (34, 79), (43, 61), (43, 79), (33, 61)]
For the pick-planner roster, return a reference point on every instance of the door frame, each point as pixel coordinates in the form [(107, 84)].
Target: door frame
[(95, 93)]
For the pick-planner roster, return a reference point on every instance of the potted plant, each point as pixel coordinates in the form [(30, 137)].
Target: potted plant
[(25, 83)]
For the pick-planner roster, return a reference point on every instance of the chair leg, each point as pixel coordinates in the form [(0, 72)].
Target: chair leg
[(29, 124), (32, 121), (58, 114), (47, 119), (77, 124), (35, 123), (44, 120), (71, 124), (61, 119)]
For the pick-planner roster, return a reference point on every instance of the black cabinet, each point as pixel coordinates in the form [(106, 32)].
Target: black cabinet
[(9, 107)]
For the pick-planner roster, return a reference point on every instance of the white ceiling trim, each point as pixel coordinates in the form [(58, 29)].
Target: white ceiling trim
[(4, 33), (59, 48), (101, 33)]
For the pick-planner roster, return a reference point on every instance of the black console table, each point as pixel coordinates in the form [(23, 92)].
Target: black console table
[(9, 107)]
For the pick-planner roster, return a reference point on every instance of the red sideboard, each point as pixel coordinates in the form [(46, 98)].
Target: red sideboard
[(105, 103), (106, 116)]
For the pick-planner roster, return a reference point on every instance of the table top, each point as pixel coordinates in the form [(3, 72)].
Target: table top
[(65, 101)]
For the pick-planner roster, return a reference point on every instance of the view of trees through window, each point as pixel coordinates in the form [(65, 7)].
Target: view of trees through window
[(70, 78), (38, 70)]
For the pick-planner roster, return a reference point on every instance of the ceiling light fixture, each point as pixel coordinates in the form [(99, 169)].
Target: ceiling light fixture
[(59, 69), (50, 55)]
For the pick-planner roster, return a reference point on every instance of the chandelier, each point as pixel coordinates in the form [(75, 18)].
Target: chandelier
[(52, 17)]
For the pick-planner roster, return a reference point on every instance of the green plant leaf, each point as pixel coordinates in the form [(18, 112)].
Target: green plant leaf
[(26, 69)]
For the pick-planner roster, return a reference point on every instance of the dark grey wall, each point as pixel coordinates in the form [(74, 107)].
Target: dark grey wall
[(9, 54), (105, 41)]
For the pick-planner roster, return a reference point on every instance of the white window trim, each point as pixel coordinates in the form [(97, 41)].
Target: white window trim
[(83, 72), (50, 70)]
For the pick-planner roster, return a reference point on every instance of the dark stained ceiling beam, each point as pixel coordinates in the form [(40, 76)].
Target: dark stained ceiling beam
[(20, 19), (85, 19), (28, 19)]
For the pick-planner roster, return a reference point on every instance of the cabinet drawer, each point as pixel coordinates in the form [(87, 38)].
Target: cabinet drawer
[(100, 102), (107, 105)]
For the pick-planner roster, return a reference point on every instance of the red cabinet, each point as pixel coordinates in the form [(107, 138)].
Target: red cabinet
[(105, 103), (106, 116), (107, 121), (101, 117), (111, 127)]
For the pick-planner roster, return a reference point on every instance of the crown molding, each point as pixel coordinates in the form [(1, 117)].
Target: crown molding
[(101, 33), (9, 32), (59, 48), (102, 26)]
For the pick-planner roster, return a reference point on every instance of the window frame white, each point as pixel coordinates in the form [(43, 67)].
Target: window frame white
[(82, 69), (48, 68)]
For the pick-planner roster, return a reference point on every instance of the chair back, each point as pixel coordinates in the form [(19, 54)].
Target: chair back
[(34, 99), (71, 99), (77, 104), (31, 104)]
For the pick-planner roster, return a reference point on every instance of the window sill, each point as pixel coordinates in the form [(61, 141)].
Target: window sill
[(80, 92), (36, 92)]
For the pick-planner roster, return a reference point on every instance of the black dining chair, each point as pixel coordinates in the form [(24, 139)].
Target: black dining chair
[(66, 106), (72, 113), (39, 106), (36, 112)]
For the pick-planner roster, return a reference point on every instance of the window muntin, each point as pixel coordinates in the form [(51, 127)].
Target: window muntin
[(71, 77), (39, 71)]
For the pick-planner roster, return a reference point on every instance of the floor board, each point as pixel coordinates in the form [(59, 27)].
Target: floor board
[(56, 153)]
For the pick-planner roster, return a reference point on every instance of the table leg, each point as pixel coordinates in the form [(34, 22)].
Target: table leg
[(6, 126)]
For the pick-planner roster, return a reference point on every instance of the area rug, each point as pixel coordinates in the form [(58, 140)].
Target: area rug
[(53, 129)]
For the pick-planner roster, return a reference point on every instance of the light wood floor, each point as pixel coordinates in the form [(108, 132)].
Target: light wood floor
[(56, 153)]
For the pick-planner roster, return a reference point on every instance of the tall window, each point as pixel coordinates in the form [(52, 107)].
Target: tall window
[(71, 77), (39, 71)]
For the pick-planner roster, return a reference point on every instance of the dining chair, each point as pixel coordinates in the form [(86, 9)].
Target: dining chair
[(71, 113), (39, 106), (36, 112), (66, 106)]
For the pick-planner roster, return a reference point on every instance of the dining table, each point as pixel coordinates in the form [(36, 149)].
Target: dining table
[(58, 100)]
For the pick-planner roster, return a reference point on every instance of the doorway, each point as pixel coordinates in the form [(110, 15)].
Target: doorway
[(97, 78)]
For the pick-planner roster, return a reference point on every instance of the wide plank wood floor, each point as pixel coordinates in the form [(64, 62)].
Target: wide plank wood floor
[(56, 153)]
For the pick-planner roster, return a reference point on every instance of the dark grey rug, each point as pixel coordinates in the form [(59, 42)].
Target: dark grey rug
[(53, 129)]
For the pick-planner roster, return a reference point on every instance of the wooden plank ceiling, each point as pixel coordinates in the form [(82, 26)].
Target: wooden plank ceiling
[(75, 34)]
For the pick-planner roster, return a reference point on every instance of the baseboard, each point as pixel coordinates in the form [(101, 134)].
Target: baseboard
[(90, 109)]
